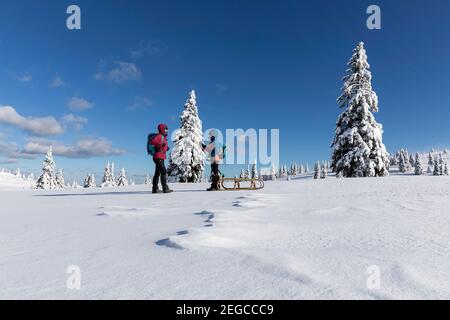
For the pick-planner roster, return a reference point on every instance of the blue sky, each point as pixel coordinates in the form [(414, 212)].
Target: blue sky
[(253, 64)]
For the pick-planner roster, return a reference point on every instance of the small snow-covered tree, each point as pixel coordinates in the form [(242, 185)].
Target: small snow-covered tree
[(60, 182), (30, 177), (93, 184), (147, 180), (402, 164), (187, 157), (417, 166), (393, 160), (89, 181), (47, 180), (430, 160), (108, 176), (436, 168), (254, 172), (75, 185), (441, 165), (430, 169), (242, 175), (317, 170), (358, 150), (446, 169), (323, 172), (412, 161), (273, 172), (122, 179)]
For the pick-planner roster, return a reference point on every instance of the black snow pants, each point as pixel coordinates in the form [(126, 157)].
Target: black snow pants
[(160, 171), (215, 175)]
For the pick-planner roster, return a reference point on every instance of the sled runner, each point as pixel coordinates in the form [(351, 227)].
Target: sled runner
[(240, 184)]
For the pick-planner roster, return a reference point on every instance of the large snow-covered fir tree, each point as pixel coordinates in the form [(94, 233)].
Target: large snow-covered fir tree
[(47, 180), (187, 157), (358, 150)]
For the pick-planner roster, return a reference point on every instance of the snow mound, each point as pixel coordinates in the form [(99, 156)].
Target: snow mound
[(9, 181)]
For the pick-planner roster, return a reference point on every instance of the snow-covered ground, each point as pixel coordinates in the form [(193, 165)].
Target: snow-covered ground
[(305, 238), (9, 181)]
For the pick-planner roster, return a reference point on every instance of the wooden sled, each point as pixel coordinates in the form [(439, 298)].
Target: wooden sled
[(240, 184)]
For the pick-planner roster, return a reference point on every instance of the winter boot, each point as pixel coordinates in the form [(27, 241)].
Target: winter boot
[(215, 183), (156, 190), (166, 189)]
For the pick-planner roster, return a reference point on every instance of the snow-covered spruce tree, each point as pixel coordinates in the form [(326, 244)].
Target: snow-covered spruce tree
[(436, 167), (60, 179), (106, 173), (47, 180), (187, 157), (430, 160), (92, 184), (441, 165), (122, 180), (317, 170), (75, 185), (86, 181), (108, 176), (446, 169), (358, 150), (273, 172), (412, 161), (393, 160), (242, 175), (254, 172), (323, 172), (417, 166), (402, 163), (147, 179)]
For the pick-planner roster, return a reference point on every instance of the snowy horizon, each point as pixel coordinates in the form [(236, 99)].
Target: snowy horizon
[(96, 101)]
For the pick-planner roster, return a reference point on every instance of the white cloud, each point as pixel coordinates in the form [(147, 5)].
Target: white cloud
[(152, 48), (25, 77), (11, 151), (57, 82), (79, 104), (121, 72), (45, 126), (83, 148), (76, 121), (139, 103)]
